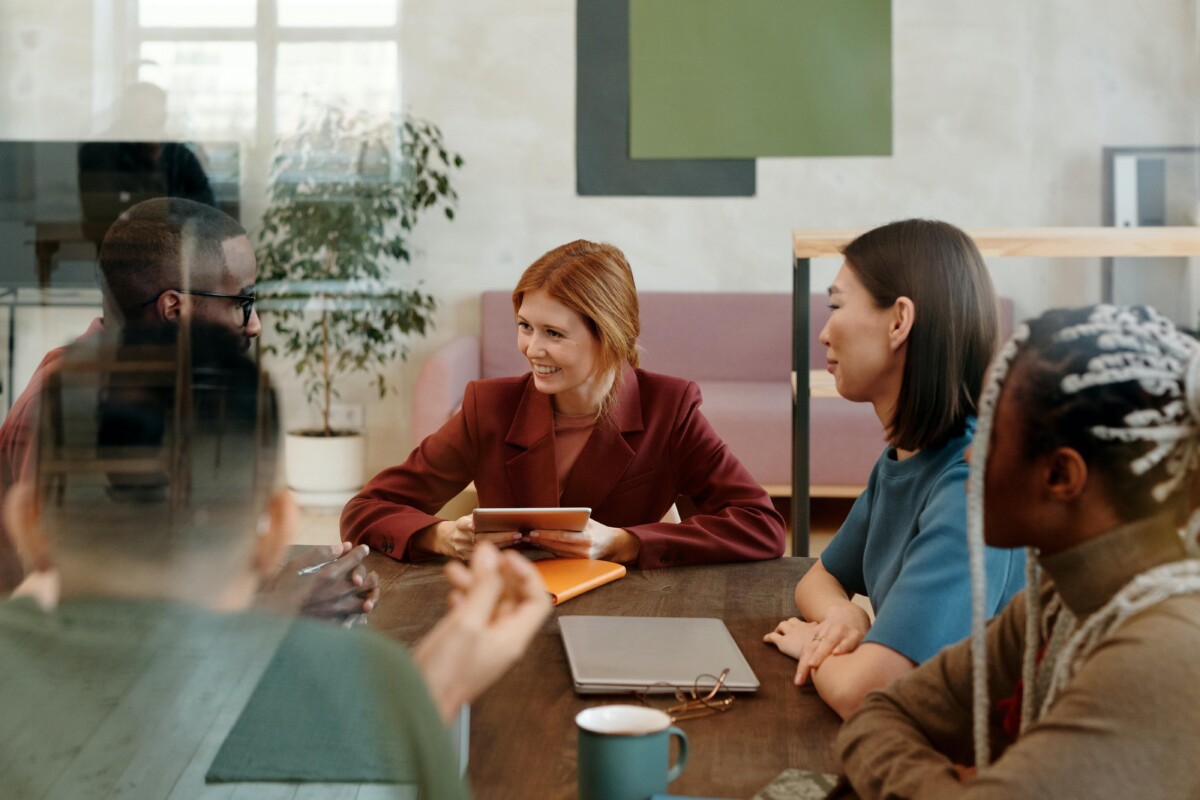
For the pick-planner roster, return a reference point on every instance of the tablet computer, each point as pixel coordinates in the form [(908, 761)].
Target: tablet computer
[(498, 520)]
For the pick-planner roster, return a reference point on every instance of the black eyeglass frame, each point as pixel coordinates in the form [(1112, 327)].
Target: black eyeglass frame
[(246, 301)]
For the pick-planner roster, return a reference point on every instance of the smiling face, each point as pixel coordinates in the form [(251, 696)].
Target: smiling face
[(563, 354), (865, 365)]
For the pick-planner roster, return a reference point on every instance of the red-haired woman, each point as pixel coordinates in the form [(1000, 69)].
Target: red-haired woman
[(584, 427)]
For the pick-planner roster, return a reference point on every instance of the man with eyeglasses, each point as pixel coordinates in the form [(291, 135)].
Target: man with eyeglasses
[(176, 260), (172, 259)]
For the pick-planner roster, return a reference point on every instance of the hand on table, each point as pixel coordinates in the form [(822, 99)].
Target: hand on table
[(810, 643), (338, 591), (594, 541), (497, 604), (457, 538)]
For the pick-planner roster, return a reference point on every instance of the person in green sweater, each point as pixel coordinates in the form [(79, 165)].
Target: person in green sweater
[(155, 498), (1085, 685)]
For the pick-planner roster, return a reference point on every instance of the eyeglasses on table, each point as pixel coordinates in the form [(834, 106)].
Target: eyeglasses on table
[(708, 695)]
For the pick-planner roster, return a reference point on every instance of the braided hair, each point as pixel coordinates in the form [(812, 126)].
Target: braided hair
[(1121, 386)]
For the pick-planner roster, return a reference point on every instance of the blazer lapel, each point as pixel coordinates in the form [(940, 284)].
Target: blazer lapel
[(530, 439), (607, 454)]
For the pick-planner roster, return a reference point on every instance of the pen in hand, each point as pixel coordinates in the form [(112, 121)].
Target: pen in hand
[(315, 567)]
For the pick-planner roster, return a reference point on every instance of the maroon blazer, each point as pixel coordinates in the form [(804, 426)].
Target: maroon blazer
[(656, 446)]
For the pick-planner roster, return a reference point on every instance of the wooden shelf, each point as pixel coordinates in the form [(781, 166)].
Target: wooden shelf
[(1031, 242), (820, 384)]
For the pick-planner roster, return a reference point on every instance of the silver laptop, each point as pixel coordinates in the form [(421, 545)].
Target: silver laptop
[(625, 654)]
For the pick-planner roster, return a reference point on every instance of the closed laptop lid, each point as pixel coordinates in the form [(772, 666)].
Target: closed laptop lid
[(622, 654)]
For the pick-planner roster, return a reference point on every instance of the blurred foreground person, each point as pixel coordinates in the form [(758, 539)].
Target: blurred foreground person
[(154, 499), (172, 260)]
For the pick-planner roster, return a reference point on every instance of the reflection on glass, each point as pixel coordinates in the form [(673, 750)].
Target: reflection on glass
[(322, 13), (116, 174), (196, 13), (313, 76), (211, 86)]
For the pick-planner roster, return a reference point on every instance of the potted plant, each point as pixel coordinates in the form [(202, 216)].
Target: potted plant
[(346, 192)]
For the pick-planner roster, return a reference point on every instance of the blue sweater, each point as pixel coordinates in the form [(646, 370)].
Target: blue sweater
[(904, 546)]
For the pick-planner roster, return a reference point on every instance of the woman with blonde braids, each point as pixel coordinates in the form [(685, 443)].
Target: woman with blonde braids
[(1089, 687)]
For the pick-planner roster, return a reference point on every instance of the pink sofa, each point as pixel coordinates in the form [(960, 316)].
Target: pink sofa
[(737, 347)]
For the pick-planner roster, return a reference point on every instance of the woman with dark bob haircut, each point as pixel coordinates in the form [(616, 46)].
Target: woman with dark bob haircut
[(584, 427), (913, 327)]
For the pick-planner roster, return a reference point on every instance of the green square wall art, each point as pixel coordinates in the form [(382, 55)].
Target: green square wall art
[(750, 78)]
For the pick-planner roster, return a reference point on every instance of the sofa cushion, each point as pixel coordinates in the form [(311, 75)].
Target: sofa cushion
[(754, 418), (706, 336), (498, 355), (845, 441)]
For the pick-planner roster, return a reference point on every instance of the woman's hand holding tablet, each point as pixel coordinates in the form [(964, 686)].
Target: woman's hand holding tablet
[(457, 538), (594, 541), (565, 532)]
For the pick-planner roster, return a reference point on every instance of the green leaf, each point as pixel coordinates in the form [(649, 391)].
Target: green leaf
[(347, 190)]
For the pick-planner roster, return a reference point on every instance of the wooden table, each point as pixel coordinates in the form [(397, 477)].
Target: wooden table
[(523, 741)]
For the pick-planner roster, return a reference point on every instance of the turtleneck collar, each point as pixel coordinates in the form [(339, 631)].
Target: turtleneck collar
[(1088, 575)]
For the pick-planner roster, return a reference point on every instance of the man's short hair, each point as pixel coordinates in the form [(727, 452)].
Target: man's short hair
[(160, 244), (159, 443)]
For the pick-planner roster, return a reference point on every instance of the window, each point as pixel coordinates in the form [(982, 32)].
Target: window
[(249, 70), (324, 14), (312, 75)]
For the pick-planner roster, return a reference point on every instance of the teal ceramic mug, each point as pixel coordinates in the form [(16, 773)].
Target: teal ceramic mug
[(624, 752)]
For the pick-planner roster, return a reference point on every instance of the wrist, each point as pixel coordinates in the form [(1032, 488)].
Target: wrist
[(442, 690), (629, 547), (429, 540), (849, 612), (836, 607)]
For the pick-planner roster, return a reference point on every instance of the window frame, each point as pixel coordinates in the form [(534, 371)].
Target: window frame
[(267, 35)]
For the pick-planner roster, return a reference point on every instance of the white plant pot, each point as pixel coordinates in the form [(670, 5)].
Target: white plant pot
[(325, 470)]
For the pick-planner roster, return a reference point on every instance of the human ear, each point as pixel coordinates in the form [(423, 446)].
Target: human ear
[(275, 532), (1065, 474), (169, 306), (22, 519), (904, 313)]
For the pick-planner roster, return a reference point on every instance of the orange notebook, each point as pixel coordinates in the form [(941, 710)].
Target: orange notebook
[(570, 577)]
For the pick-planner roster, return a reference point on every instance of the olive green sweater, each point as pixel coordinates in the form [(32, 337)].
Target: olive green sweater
[(110, 697)]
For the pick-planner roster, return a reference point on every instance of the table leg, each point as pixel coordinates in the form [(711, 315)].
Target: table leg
[(800, 401), (45, 250)]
